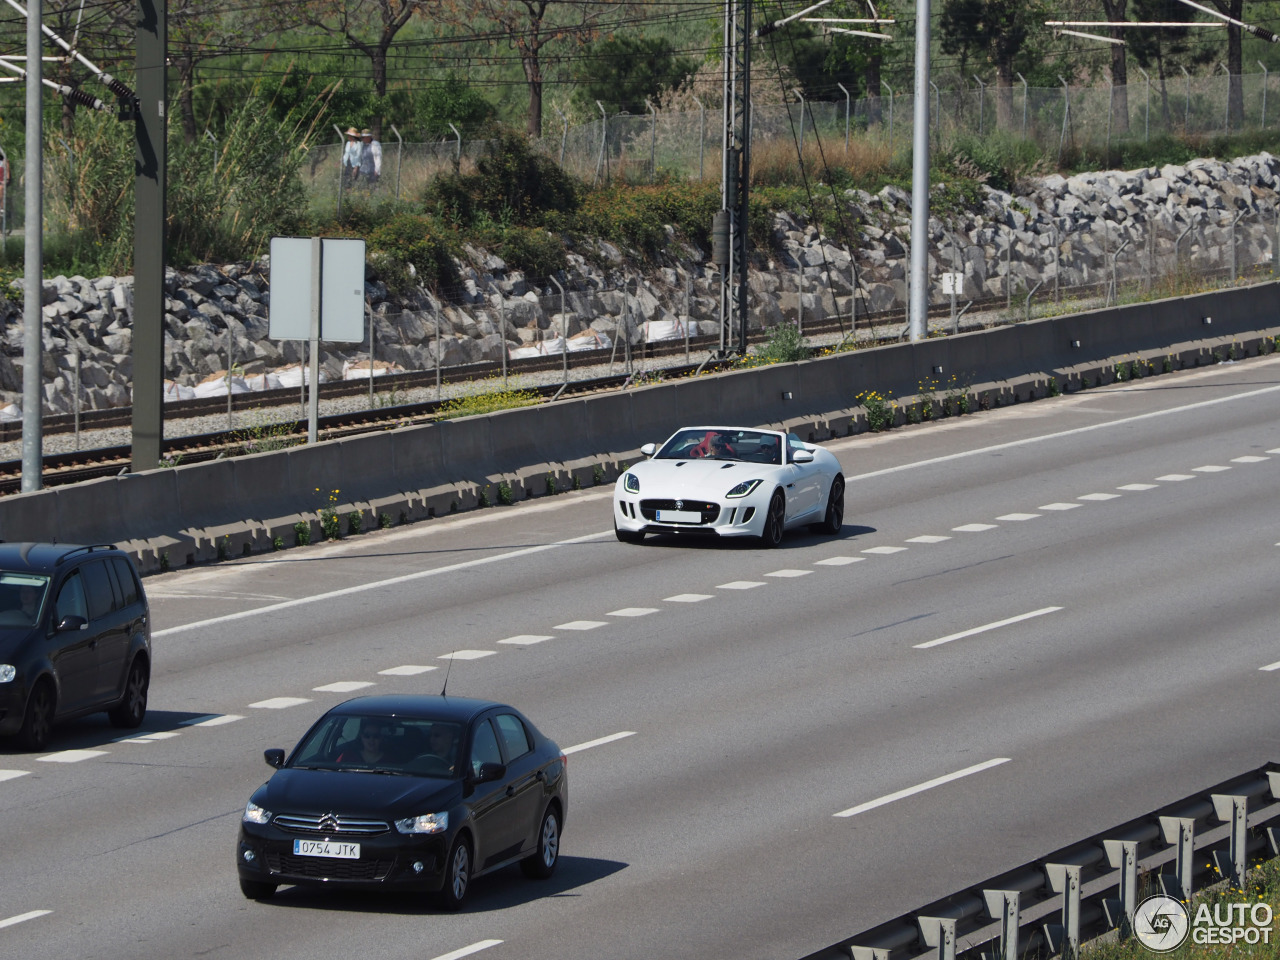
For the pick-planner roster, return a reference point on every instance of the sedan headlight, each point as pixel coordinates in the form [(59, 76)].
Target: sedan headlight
[(742, 489), (631, 483), (7, 672), (427, 823), (255, 814)]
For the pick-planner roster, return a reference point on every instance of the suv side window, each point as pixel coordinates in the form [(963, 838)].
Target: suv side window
[(124, 576), (97, 582), (484, 748), (514, 736), (71, 601)]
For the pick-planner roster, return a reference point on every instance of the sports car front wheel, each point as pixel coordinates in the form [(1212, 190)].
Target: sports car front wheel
[(774, 520)]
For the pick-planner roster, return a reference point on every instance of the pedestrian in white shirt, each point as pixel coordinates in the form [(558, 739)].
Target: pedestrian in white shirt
[(351, 151)]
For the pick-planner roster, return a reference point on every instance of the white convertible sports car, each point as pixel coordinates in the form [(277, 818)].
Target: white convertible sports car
[(730, 482)]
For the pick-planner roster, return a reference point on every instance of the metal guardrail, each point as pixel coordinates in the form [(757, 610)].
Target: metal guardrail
[(1048, 905)]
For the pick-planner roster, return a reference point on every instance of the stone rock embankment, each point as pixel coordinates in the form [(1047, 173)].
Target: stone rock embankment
[(1073, 229)]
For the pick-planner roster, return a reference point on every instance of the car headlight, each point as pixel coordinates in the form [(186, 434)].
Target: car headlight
[(7, 672), (631, 483), (742, 489), (427, 823), (255, 814)]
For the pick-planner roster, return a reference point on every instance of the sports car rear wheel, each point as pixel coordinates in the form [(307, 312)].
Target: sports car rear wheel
[(833, 520), (774, 520), (629, 536)]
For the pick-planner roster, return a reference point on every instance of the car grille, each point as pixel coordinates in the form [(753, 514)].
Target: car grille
[(709, 511), (323, 868), (330, 826)]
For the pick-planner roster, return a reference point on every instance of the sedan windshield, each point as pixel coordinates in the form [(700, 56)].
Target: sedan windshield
[(21, 598), (408, 746), (750, 446)]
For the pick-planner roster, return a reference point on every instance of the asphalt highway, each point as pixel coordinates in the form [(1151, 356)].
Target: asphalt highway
[(1038, 622)]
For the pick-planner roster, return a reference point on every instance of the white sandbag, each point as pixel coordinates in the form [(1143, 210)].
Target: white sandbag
[(524, 353), (553, 346), (294, 375), (359, 370), (263, 381), (177, 391), (663, 330), (10, 411), (589, 340), (215, 385)]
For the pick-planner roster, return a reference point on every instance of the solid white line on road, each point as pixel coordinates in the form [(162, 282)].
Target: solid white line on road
[(927, 538), (468, 951), (740, 585), (597, 743), (985, 628), (581, 625), (526, 639), (789, 573), (343, 686), (1059, 506), (1276, 665), (1027, 441), (1175, 477), (1018, 516), (1210, 468), (408, 670), (279, 703), (687, 598), (1099, 496), (377, 584), (467, 655), (911, 791), (211, 720), (72, 756), (22, 917), (13, 774), (974, 527), (1249, 459), (839, 561), (632, 612), (1137, 487), (884, 551)]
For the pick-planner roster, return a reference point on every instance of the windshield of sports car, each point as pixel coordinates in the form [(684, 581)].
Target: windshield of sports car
[(21, 598), (400, 746), (750, 446)]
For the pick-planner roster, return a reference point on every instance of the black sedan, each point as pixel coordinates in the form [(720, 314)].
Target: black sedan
[(406, 792)]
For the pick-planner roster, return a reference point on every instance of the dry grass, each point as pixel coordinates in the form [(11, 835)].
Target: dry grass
[(774, 163)]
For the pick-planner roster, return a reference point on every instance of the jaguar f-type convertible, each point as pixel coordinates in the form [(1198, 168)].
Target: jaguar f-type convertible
[(729, 482)]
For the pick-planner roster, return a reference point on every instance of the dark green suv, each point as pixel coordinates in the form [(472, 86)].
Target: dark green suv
[(75, 638)]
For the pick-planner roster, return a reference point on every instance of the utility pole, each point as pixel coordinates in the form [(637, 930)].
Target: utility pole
[(33, 268), (919, 327), (150, 118), (729, 231)]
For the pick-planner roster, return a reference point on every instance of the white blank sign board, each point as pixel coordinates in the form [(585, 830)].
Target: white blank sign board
[(341, 290)]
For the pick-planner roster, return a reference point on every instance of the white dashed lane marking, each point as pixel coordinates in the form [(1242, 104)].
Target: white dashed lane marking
[(1099, 496), (580, 625), (468, 950), (279, 703), (839, 561), (597, 743), (149, 737), (211, 720), (23, 917), (740, 585), (1138, 487), (467, 655), (1018, 516), (12, 774), (72, 756), (632, 612), (1276, 665), (1059, 506), (343, 686), (921, 788), (1249, 459), (408, 670), (985, 627), (927, 538), (789, 574), (974, 527), (1211, 468), (526, 639), (687, 598), (884, 551), (1175, 477)]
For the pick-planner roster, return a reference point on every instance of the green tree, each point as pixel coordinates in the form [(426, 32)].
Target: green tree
[(625, 71), (998, 31)]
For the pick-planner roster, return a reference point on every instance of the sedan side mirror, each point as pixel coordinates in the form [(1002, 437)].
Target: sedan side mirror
[(490, 772), (802, 456), (649, 449), (274, 757), (72, 622)]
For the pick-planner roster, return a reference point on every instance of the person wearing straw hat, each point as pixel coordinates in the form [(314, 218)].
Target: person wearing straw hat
[(370, 157), (351, 151)]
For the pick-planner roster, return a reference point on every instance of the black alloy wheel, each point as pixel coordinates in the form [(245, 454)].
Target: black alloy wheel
[(629, 536), (130, 711), (37, 721), (543, 862), (457, 877), (833, 520), (774, 520), (257, 889)]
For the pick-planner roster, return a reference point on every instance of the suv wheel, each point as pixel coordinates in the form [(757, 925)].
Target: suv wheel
[(37, 721), (130, 711)]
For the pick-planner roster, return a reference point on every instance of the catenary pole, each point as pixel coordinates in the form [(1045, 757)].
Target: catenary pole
[(920, 181), (33, 269)]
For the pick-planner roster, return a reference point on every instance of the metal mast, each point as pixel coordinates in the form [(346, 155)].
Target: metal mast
[(729, 232)]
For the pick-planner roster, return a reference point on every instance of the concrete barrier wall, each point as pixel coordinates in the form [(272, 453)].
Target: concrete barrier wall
[(415, 472)]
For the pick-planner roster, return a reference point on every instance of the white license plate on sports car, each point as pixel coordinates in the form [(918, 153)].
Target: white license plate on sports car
[(679, 516), (326, 848)]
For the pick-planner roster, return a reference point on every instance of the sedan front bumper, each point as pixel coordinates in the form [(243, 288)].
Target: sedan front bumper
[(411, 862)]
